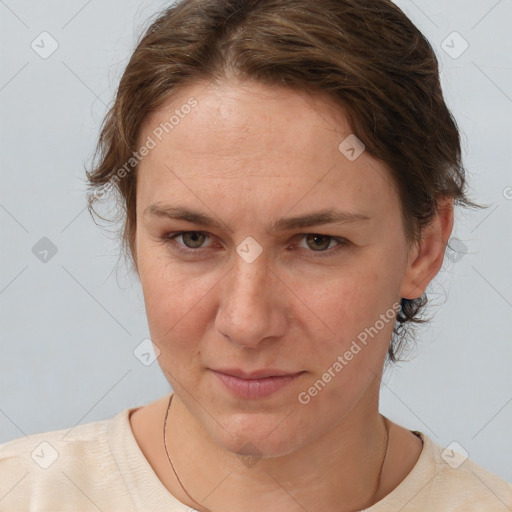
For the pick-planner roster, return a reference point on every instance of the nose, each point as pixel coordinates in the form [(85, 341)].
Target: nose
[(252, 304)]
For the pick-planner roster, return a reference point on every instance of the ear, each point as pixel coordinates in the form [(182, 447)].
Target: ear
[(426, 257)]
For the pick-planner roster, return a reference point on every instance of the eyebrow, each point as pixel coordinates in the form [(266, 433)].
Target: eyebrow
[(326, 216)]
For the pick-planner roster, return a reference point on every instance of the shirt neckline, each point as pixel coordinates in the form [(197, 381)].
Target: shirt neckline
[(148, 492)]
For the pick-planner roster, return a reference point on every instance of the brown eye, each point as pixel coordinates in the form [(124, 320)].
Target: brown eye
[(193, 239), (318, 242), (317, 245)]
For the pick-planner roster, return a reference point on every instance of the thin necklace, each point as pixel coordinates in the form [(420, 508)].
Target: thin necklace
[(169, 457), (386, 429)]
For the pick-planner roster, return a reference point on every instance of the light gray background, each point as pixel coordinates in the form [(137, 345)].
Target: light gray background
[(69, 325)]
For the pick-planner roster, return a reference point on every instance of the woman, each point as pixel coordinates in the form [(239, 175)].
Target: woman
[(288, 170)]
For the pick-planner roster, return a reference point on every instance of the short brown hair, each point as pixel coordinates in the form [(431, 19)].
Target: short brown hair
[(365, 54)]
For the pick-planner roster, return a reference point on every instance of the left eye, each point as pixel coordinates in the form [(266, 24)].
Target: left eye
[(321, 243)]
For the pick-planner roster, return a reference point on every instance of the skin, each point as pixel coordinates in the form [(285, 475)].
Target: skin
[(248, 155)]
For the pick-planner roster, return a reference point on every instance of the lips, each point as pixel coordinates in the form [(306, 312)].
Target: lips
[(255, 384), (256, 374)]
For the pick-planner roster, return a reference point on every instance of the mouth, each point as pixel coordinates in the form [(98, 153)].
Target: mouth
[(256, 384)]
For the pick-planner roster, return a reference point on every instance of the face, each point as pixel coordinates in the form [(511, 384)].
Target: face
[(256, 276)]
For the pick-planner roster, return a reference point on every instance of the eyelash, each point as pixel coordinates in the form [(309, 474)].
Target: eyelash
[(170, 239)]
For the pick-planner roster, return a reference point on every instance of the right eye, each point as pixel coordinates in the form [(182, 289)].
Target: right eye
[(191, 240)]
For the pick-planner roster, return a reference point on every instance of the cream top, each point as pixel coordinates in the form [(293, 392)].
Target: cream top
[(99, 466)]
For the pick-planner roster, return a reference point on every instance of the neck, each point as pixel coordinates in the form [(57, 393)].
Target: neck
[(338, 472)]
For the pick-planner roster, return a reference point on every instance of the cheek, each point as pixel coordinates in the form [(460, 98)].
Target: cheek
[(345, 359), (349, 296), (176, 319), (353, 304), (173, 306), (174, 302)]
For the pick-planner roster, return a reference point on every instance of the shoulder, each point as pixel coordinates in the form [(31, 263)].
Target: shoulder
[(458, 483), (45, 449), (446, 479), (42, 470)]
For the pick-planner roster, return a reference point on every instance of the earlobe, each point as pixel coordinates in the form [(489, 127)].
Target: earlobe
[(426, 257)]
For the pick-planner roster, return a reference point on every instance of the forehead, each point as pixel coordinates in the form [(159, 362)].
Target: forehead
[(237, 132), (236, 119)]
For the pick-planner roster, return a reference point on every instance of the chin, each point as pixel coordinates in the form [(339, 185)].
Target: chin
[(258, 435)]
